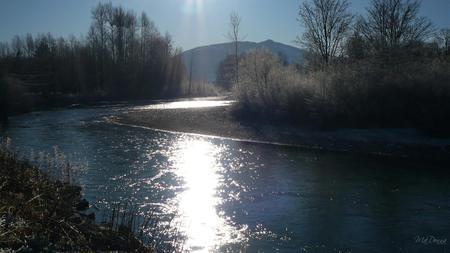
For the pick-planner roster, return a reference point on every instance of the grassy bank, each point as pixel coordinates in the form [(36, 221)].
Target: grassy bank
[(39, 212)]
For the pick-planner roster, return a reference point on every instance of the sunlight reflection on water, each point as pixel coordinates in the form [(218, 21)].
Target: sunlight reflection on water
[(197, 165), (187, 104)]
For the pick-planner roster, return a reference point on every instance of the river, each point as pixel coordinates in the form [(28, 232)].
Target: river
[(223, 195)]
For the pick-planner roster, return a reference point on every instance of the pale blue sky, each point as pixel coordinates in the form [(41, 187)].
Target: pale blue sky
[(190, 22)]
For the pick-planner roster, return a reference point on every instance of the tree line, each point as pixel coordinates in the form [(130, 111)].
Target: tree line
[(122, 56)]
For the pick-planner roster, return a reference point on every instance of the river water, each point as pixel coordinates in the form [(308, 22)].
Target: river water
[(223, 195)]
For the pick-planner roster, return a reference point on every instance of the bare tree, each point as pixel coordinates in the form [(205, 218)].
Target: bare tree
[(234, 34), (29, 45), (148, 33), (99, 34), (391, 24), (444, 39), (4, 50), (191, 67), (17, 46), (326, 24)]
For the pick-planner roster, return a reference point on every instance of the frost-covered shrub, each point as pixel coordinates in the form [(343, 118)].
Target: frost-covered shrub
[(361, 94)]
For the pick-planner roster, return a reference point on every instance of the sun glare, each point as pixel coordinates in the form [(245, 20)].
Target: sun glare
[(193, 6), (198, 168)]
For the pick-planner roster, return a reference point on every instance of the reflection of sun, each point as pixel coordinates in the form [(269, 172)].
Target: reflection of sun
[(197, 165)]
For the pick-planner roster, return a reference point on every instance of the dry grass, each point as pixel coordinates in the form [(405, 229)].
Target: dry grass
[(39, 212)]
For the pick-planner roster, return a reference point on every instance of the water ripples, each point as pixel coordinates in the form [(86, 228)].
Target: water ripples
[(218, 195)]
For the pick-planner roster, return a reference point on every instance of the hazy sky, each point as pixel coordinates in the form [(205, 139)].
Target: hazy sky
[(190, 22)]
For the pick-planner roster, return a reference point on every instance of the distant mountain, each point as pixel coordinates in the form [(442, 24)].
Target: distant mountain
[(206, 59)]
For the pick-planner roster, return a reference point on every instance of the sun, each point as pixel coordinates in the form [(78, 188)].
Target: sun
[(193, 6), (195, 2)]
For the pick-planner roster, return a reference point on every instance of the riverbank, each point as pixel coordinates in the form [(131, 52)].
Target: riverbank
[(38, 213), (222, 122)]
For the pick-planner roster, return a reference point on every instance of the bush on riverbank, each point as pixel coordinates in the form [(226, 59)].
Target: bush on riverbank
[(39, 213), (14, 97), (199, 89), (360, 94), (269, 89), (3, 102)]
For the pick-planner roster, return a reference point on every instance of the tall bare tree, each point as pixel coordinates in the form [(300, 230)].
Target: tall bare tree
[(234, 34), (4, 49), (392, 24), (444, 39), (191, 68), (17, 45), (148, 34), (99, 34), (326, 24), (29, 44)]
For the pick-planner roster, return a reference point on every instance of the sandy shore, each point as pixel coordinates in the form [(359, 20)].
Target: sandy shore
[(219, 121)]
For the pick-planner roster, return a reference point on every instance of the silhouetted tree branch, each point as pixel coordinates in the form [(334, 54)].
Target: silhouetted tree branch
[(234, 34), (326, 24), (393, 24)]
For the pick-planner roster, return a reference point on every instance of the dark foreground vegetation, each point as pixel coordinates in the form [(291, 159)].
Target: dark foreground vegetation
[(388, 68), (123, 56), (40, 213)]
